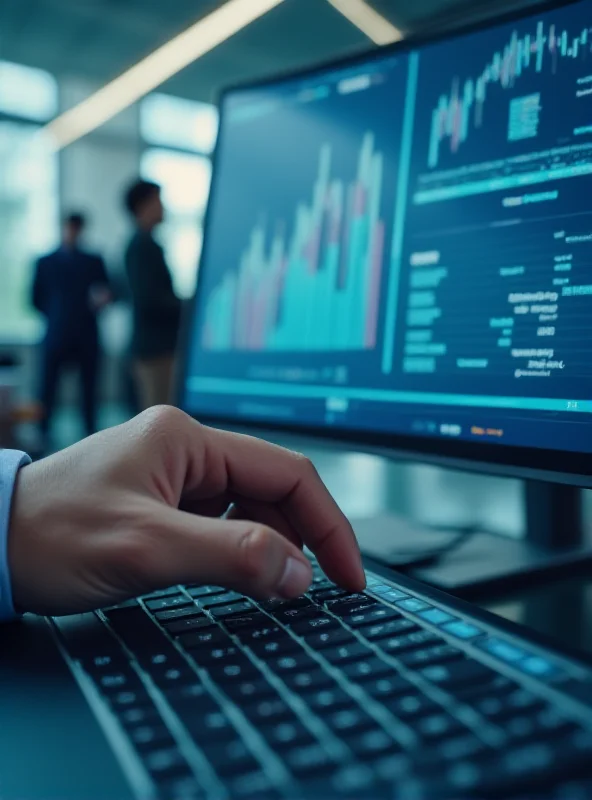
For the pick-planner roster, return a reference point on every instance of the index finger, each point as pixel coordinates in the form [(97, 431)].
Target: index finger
[(265, 472)]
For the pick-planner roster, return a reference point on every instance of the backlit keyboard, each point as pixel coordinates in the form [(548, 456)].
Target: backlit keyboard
[(394, 692)]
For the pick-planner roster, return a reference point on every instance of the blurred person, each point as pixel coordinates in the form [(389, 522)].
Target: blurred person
[(156, 308), (70, 288)]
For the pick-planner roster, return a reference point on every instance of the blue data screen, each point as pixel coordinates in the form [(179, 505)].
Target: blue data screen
[(404, 245)]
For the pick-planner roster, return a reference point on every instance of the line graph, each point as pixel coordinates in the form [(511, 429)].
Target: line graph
[(316, 288), (461, 110)]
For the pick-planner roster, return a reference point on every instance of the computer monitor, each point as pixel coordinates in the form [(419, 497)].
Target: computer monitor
[(398, 251)]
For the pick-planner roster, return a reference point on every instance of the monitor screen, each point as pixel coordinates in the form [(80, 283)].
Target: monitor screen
[(402, 244)]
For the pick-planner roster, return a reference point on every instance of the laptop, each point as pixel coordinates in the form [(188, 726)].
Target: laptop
[(397, 254)]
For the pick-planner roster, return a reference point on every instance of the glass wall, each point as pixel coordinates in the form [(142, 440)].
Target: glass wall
[(29, 207), (184, 134)]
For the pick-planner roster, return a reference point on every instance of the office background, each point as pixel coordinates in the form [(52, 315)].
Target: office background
[(56, 53)]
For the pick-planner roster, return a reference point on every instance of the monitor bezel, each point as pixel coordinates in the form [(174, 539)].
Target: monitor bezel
[(558, 466)]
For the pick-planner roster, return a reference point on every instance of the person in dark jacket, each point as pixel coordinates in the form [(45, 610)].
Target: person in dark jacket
[(156, 308), (69, 289)]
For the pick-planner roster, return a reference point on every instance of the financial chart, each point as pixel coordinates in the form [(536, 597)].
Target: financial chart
[(404, 243), (316, 287), (495, 289)]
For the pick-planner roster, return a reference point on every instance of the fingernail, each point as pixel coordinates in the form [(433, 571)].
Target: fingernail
[(296, 579)]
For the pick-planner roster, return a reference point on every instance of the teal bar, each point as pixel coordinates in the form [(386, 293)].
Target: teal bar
[(242, 387), (361, 267), (400, 211), (496, 184)]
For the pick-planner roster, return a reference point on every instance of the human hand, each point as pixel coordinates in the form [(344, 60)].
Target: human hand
[(138, 507)]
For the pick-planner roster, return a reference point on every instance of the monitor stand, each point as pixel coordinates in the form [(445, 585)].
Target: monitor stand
[(554, 545)]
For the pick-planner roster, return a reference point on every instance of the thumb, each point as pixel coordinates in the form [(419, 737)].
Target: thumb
[(242, 555)]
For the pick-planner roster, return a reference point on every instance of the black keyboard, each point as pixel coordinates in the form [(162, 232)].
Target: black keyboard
[(397, 692)]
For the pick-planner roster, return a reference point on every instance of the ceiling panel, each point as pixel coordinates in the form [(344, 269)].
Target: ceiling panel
[(98, 39)]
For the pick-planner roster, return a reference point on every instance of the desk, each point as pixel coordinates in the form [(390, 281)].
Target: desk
[(367, 486)]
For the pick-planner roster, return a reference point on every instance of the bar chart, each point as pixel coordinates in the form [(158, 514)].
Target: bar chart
[(460, 111), (311, 282)]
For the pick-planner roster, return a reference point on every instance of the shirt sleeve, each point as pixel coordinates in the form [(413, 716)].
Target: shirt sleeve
[(10, 463)]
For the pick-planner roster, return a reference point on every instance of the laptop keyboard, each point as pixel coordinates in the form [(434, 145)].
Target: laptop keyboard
[(377, 694)]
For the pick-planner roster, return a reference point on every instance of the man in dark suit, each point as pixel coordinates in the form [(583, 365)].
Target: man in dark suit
[(69, 289)]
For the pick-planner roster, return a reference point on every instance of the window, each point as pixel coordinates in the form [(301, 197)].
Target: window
[(182, 134), (174, 122), (29, 216), (27, 93)]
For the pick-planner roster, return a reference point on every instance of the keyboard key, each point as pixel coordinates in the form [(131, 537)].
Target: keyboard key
[(256, 785), (170, 601), (236, 670), (336, 605), (284, 735), (412, 604), (384, 630), (392, 686), (503, 650), (164, 764), (274, 647), (129, 699), (368, 669), (349, 720), (314, 625), (411, 641), (150, 736), (328, 700), (209, 636), (500, 708), (330, 638), (275, 604), (310, 760), (291, 663), (324, 595), (315, 679), (173, 590), (431, 655), (220, 599), (208, 655), (411, 706), (463, 630), (539, 667), (347, 653), (172, 614), (268, 630), (268, 711), (372, 744), (249, 690), (229, 758), (348, 610), (436, 616), (439, 726), (294, 616), (142, 715), (359, 619), (242, 622), (213, 726), (113, 682), (459, 673), (185, 625), (234, 608), (205, 591)]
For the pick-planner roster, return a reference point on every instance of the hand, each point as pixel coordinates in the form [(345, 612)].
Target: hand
[(138, 507)]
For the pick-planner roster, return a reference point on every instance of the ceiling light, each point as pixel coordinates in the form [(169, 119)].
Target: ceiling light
[(159, 66), (369, 21)]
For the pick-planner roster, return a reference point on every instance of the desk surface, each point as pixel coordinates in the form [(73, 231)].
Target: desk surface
[(367, 486)]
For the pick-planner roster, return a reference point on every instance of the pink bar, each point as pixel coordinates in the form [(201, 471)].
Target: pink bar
[(374, 293)]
